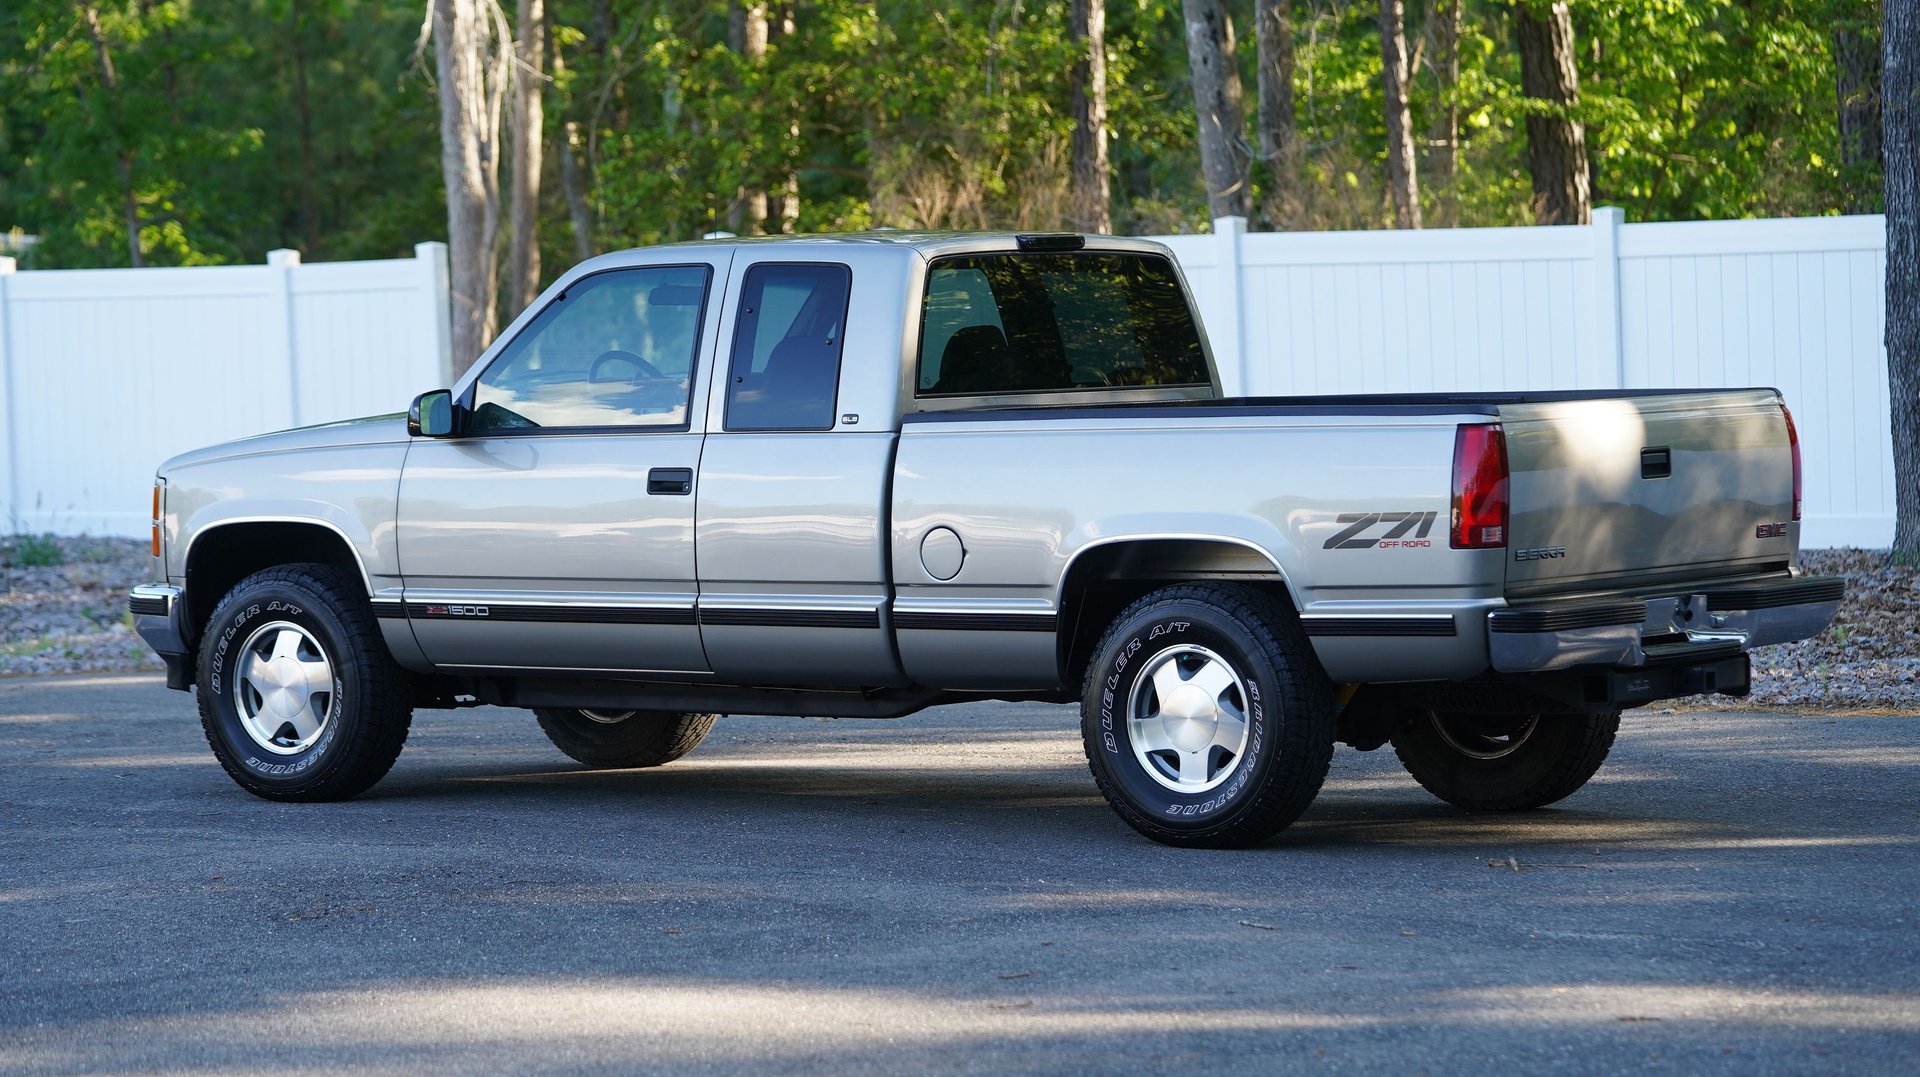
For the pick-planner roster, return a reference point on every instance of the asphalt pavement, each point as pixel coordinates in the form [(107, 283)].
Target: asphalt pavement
[(943, 893)]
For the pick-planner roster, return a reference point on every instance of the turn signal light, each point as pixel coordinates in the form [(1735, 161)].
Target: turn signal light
[(156, 519), (1479, 487)]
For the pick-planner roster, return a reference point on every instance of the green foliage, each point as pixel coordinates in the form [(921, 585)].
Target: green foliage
[(229, 127), (33, 551), (1712, 108), (234, 126)]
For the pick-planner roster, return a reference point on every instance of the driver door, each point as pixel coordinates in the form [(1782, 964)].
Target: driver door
[(555, 530)]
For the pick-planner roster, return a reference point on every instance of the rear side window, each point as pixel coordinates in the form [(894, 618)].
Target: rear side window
[(787, 339), (1047, 322)]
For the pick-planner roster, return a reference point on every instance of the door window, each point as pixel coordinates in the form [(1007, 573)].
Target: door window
[(614, 351), (787, 340)]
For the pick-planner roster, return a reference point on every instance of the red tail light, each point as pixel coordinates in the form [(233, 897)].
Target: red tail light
[(1793, 442), (1479, 487)]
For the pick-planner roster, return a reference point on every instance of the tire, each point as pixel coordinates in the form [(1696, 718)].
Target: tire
[(625, 738), (1504, 763), (299, 698), (1232, 663)]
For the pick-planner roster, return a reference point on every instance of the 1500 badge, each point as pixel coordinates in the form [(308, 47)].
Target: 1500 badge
[(456, 611), (1394, 538)]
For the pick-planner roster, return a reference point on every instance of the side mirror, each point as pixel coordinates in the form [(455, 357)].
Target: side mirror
[(431, 415)]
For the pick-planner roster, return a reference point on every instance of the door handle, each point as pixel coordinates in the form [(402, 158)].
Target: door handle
[(670, 480)]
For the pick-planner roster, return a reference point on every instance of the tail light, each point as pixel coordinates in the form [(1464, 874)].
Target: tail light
[(1793, 442), (156, 519), (1479, 487)]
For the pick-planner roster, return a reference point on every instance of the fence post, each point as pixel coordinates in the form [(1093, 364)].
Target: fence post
[(10, 491), (280, 266), (1606, 291), (1235, 378), (431, 258)]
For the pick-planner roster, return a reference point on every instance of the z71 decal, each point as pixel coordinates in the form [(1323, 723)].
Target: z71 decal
[(1394, 538)]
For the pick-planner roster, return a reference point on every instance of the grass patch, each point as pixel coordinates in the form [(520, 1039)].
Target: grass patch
[(34, 551), (27, 648)]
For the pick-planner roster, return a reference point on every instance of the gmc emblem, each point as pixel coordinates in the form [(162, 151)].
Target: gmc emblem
[(1775, 530)]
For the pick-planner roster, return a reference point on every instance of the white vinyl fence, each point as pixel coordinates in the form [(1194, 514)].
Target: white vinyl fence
[(1795, 304), (106, 372)]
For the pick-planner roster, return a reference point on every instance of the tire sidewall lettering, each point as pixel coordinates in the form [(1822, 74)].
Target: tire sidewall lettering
[(1142, 644), (241, 747)]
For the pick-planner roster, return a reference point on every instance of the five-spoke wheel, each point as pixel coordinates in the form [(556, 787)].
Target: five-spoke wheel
[(284, 694), (299, 697), (1205, 717), (621, 738), (1187, 719), (1504, 762)]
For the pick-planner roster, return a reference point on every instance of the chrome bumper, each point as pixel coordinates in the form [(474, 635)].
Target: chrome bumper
[(160, 616), (1664, 629)]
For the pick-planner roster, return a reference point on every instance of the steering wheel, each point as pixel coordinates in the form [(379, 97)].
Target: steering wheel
[(641, 368)]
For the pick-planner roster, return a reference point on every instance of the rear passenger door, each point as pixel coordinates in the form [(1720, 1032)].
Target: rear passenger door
[(791, 536)]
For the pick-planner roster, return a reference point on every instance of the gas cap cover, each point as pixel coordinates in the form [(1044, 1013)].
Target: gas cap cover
[(942, 554)]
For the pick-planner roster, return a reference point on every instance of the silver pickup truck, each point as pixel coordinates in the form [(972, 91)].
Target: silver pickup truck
[(862, 475)]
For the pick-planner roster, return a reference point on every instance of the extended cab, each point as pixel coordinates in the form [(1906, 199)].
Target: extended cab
[(863, 475)]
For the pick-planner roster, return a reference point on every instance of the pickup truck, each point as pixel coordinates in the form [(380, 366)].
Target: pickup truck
[(857, 476)]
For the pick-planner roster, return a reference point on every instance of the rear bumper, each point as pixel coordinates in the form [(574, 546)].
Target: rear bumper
[(160, 616), (1661, 631)]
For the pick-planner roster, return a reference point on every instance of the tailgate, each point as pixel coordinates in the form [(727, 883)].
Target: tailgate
[(1621, 492)]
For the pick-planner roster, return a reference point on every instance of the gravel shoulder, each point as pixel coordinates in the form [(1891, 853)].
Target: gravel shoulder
[(70, 617)]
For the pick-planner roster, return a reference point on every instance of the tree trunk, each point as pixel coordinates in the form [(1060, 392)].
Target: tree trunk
[(1403, 182), (309, 210), (573, 180), (747, 35), (1556, 141), (1279, 139), (785, 206), (472, 82), (528, 136), (1900, 99), (1443, 27), (1856, 56), (1224, 161), (1092, 200), (130, 202)]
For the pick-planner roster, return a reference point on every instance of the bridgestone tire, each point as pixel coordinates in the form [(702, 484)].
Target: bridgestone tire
[(1486, 764), (1162, 693), (301, 640), (623, 739)]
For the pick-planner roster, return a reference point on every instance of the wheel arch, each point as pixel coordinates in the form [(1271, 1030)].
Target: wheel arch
[(221, 555), (1103, 578)]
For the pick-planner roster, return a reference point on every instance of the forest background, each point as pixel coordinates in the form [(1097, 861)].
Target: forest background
[(534, 133), (211, 131)]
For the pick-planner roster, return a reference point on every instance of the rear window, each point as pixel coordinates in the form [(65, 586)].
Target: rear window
[(1047, 322)]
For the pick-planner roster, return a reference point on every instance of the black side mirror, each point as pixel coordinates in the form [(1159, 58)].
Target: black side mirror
[(431, 415)]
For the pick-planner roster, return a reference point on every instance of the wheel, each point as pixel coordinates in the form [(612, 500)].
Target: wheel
[(1504, 762), (299, 698), (1206, 719), (625, 738)]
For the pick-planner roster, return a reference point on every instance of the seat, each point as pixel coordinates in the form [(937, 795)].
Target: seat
[(976, 360), (796, 388)]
